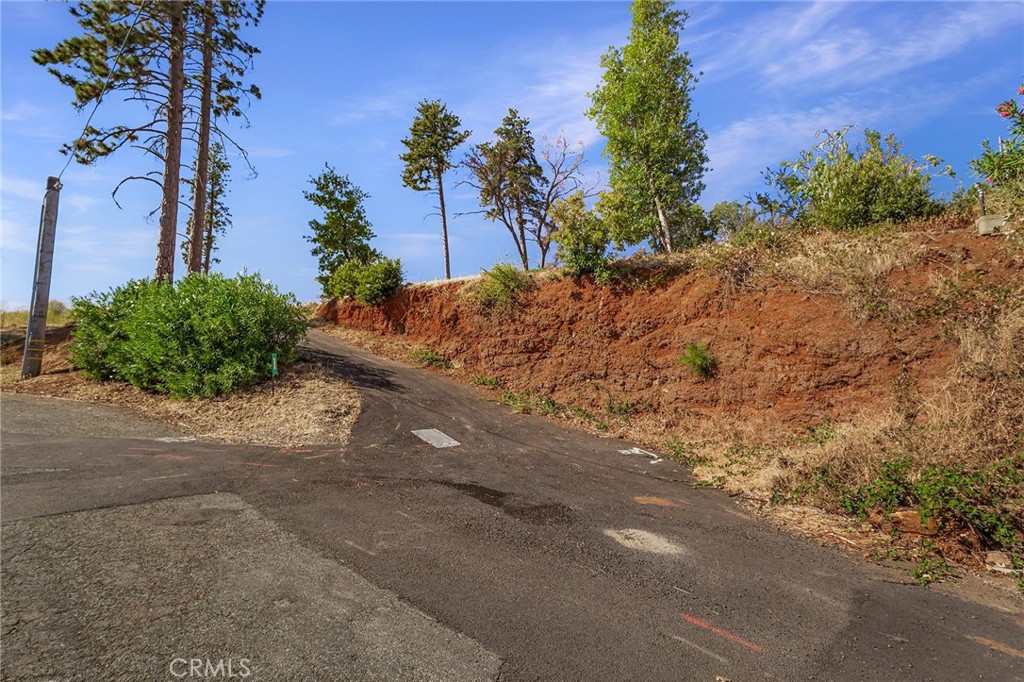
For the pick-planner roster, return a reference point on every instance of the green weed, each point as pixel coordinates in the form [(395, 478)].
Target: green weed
[(696, 357), (428, 357)]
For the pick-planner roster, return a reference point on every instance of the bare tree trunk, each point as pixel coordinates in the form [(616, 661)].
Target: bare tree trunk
[(172, 151), (444, 228), (666, 233), (523, 254), (197, 236)]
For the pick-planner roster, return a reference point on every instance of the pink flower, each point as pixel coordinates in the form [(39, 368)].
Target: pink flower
[(988, 180)]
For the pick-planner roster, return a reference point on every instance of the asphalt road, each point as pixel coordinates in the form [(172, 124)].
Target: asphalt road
[(526, 552)]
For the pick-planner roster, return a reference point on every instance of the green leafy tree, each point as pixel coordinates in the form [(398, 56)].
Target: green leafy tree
[(345, 232), (433, 137), (508, 177), (217, 214), (655, 145)]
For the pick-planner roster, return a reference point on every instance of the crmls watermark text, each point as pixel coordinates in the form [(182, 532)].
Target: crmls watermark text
[(206, 667)]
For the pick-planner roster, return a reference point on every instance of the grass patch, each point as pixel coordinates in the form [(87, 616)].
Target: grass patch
[(57, 313), (427, 357), (481, 380), (684, 453), (501, 288)]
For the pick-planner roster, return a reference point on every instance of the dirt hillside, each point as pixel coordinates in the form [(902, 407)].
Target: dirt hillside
[(834, 356)]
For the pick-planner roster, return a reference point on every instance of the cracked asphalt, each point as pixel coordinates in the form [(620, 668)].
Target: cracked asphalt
[(527, 552)]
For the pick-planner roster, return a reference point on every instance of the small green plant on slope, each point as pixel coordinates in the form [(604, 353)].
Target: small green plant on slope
[(696, 357), (430, 358), (988, 500), (199, 337), (483, 380), (502, 287)]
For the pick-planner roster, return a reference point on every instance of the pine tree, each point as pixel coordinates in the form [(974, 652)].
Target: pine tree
[(345, 232), (433, 137), (508, 178), (144, 50)]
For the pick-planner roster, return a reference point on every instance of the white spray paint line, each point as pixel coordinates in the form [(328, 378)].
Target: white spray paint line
[(175, 439), (315, 456), (436, 438), (643, 541), (360, 548), (160, 478), (640, 451), (699, 648)]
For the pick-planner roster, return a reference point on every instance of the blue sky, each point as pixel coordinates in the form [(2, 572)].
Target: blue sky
[(341, 81)]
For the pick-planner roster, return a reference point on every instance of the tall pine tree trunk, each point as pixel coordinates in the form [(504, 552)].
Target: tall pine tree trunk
[(444, 228), (199, 218), (172, 151)]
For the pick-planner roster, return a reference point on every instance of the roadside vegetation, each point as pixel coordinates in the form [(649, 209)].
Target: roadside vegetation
[(57, 313), (204, 336)]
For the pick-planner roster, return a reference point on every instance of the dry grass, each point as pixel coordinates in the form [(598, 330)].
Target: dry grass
[(307, 406)]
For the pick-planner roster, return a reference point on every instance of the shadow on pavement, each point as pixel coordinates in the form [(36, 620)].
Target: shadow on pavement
[(361, 376)]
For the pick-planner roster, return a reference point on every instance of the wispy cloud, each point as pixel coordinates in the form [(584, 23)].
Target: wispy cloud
[(831, 45), (258, 152), (22, 188)]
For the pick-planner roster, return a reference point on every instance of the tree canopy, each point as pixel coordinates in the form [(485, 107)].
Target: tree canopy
[(655, 144), (344, 234), (433, 137)]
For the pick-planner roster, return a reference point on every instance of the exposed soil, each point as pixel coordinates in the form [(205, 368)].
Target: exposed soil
[(307, 405), (828, 350)]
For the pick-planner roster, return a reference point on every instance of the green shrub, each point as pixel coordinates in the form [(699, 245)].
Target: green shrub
[(986, 500), (696, 357), (369, 283), (581, 237), (203, 336), (840, 188), (502, 287)]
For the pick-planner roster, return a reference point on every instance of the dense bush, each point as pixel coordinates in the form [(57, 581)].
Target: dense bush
[(582, 238), (203, 336), (369, 283), (1003, 166), (836, 187), (502, 287)]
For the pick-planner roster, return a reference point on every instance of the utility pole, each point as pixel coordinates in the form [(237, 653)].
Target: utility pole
[(35, 334)]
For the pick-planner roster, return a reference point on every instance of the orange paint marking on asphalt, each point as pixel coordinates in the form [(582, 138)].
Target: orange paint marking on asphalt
[(255, 464), (693, 620), (997, 646), (173, 458), (656, 501)]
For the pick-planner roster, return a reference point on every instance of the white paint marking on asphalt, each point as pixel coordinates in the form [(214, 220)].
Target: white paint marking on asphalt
[(361, 549), (699, 648), (160, 478), (314, 457), (643, 541), (175, 439), (436, 438), (641, 451)]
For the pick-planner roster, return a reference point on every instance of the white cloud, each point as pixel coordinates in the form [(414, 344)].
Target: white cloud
[(23, 188), (258, 152), (829, 46), (16, 237)]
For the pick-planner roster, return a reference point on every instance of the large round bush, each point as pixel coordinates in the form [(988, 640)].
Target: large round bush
[(205, 335)]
